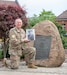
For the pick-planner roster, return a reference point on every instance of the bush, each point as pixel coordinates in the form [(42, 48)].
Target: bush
[(8, 14), (1, 54), (64, 41)]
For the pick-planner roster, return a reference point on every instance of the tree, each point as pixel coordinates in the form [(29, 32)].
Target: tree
[(33, 20), (8, 14), (44, 15), (47, 15)]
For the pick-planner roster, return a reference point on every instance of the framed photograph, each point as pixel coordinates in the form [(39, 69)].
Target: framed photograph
[(30, 34)]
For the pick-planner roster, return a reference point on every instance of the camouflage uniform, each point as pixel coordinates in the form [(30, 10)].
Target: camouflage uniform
[(17, 48)]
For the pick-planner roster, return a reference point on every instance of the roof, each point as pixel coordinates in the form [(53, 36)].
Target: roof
[(62, 16), (12, 3)]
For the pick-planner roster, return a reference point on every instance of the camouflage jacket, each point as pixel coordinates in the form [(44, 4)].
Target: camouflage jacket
[(16, 40)]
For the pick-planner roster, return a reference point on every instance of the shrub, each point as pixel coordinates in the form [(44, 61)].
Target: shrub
[(8, 14)]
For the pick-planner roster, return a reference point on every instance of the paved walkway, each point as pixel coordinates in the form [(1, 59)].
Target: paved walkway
[(23, 73), (23, 70)]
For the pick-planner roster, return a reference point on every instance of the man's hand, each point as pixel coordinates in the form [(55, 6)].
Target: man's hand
[(26, 40)]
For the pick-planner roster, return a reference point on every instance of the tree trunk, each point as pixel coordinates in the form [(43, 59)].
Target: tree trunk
[(4, 48)]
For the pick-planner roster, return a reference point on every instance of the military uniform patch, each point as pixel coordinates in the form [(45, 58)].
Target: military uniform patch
[(13, 36)]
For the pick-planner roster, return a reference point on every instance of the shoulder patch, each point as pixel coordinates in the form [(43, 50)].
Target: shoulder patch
[(13, 36)]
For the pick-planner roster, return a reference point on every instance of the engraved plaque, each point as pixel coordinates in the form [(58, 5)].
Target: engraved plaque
[(42, 45)]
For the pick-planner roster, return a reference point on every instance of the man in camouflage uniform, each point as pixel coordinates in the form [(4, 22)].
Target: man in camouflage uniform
[(17, 47)]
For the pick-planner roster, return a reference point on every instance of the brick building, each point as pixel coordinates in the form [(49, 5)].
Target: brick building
[(62, 19), (9, 2)]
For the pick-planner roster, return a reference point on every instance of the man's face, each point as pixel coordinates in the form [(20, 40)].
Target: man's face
[(18, 23)]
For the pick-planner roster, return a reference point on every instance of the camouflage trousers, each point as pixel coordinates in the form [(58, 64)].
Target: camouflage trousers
[(29, 54)]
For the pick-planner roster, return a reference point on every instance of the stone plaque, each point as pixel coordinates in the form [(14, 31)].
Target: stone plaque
[(42, 45)]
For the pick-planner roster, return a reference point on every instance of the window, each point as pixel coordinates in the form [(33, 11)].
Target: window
[(64, 26)]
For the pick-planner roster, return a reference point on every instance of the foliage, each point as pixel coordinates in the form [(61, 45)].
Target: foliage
[(1, 54), (44, 15), (33, 20), (62, 32), (47, 15), (8, 14)]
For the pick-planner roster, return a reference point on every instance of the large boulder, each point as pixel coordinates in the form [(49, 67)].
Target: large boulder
[(57, 53)]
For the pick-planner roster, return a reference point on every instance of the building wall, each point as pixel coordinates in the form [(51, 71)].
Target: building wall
[(63, 22)]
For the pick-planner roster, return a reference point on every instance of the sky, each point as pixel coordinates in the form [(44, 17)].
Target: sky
[(36, 6)]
